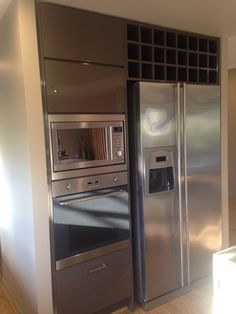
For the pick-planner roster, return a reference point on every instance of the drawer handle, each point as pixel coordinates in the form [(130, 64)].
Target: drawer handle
[(100, 267)]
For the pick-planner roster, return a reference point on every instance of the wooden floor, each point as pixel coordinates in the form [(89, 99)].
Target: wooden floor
[(198, 301), (5, 305)]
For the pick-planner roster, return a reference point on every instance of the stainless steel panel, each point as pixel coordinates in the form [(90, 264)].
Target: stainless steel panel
[(184, 187), (88, 184), (90, 255), (87, 172), (161, 213), (203, 174), (85, 117), (158, 114), (162, 240)]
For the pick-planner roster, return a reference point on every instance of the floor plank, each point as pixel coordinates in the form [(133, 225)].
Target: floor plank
[(6, 306), (198, 301)]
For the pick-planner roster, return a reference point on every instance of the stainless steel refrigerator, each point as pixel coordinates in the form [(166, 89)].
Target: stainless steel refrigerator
[(175, 184)]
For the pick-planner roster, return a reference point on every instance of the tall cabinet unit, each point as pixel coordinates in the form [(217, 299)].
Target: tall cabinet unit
[(87, 60), (83, 73), (83, 61)]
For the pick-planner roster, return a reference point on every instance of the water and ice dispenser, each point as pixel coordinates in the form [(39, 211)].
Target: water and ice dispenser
[(160, 171)]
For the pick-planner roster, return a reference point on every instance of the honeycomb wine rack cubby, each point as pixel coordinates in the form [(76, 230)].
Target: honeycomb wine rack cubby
[(158, 54)]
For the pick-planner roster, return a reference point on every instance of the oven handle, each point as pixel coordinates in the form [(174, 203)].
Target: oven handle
[(89, 198)]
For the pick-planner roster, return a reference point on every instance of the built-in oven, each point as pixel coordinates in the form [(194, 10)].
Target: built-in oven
[(90, 218), (81, 145)]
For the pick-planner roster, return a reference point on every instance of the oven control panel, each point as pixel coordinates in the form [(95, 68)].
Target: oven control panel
[(86, 184)]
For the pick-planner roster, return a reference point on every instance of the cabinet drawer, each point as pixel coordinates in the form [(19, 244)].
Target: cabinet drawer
[(73, 34), (73, 87), (89, 287)]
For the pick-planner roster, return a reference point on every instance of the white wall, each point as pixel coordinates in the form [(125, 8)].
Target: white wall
[(24, 198)]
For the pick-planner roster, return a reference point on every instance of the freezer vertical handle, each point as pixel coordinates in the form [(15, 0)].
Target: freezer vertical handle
[(186, 182), (179, 132)]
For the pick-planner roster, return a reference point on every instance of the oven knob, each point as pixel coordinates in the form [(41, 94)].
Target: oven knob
[(115, 179), (68, 186), (119, 153)]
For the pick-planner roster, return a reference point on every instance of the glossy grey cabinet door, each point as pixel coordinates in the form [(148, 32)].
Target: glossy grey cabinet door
[(73, 34), (73, 87), (90, 287)]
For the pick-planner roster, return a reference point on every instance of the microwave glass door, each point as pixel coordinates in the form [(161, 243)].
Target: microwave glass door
[(80, 145)]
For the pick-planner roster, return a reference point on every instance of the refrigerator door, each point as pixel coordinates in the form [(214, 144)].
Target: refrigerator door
[(158, 160), (203, 198)]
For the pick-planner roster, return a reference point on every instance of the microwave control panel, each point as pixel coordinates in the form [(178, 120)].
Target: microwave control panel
[(118, 143)]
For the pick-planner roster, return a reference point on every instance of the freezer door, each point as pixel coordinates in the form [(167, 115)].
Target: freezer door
[(161, 209), (162, 238), (202, 147)]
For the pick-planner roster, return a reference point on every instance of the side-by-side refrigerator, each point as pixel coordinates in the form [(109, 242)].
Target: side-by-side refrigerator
[(176, 187)]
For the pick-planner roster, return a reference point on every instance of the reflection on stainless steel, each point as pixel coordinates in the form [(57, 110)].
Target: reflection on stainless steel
[(154, 120), (177, 224), (208, 237), (157, 111), (88, 212)]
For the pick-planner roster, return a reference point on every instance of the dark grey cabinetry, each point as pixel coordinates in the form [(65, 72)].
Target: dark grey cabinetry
[(83, 36), (99, 284), (77, 87)]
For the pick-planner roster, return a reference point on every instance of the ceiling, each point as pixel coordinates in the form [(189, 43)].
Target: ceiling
[(211, 17)]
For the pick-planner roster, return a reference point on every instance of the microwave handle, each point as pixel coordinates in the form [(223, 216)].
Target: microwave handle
[(90, 198), (109, 143)]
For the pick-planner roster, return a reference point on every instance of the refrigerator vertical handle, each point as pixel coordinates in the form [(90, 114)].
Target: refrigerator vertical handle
[(186, 181), (179, 132)]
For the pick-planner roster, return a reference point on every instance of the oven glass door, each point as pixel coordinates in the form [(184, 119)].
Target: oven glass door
[(87, 223)]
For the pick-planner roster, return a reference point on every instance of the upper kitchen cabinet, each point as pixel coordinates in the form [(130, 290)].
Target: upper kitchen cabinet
[(72, 34), (74, 87)]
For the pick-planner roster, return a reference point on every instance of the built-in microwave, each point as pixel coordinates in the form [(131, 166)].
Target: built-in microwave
[(86, 144)]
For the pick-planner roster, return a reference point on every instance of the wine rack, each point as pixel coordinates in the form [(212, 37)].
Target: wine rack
[(158, 54)]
